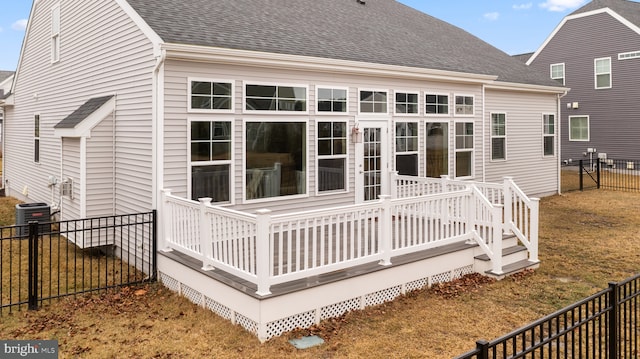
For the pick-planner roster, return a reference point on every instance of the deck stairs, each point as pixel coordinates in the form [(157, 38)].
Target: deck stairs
[(514, 259)]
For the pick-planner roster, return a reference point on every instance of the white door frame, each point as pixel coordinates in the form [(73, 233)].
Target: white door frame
[(385, 147)]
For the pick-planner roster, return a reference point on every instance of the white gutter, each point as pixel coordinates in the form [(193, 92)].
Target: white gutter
[(511, 86), (484, 140)]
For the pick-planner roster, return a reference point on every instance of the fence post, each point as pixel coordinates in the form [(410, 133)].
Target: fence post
[(508, 204), (385, 230), (483, 349), (154, 246), (263, 257), (580, 175), (613, 320), (598, 173), (205, 234), (33, 266)]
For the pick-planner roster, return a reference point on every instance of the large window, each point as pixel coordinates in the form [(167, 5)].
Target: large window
[(464, 105), (603, 73), (332, 156), (55, 33), (407, 103), (578, 128), (275, 159), (557, 73), (211, 160), (373, 102), (36, 138), (275, 98), (332, 100), (549, 135), (437, 149), (464, 149), (407, 148), (437, 104), (498, 136), (210, 96)]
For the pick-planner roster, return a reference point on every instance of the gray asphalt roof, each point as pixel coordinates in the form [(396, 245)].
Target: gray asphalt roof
[(5, 75), (381, 31), (82, 112), (523, 57), (630, 10)]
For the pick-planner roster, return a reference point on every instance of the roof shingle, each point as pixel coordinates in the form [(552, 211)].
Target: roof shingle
[(82, 112)]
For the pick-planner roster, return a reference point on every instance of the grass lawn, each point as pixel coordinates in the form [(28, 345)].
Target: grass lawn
[(586, 240)]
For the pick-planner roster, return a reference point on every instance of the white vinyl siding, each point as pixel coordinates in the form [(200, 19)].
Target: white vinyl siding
[(100, 173), (602, 69), (104, 53), (70, 205)]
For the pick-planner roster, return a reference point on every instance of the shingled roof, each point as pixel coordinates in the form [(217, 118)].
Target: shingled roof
[(373, 31), (5, 75), (630, 10), (82, 112)]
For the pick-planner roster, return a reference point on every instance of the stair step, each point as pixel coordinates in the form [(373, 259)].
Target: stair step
[(514, 268), (505, 252)]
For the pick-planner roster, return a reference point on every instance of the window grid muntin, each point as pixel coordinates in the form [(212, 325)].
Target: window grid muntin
[(464, 105), (337, 104), (277, 97), (215, 87), (407, 103), (373, 101), (436, 104)]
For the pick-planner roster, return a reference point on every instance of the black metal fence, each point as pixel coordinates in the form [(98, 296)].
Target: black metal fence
[(47, 260), (605, 325), (619, 175)]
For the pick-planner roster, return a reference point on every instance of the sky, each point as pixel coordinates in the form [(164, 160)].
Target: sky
[(513, 26)]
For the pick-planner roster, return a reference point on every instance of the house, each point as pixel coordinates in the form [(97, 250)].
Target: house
[(6, 79), (595, 51), (289, 147)]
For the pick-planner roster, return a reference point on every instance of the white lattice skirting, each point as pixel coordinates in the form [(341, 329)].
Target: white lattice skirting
[(273, 316)]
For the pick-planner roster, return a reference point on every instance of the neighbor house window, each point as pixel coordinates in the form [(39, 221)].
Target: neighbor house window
[(211, 96), (498, 136), (407, 148), (557, 73), (275, 159), (36, 139), (373, 102), (464, 105), (211, 160), (549, 134), (437, 104), (275, 98), (464, 149), (603, 73), (331, 100), (332, 156), (407, 103), (437, 143), (579, 128), (55, 33)]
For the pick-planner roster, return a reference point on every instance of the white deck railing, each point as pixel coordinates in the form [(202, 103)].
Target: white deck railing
[(268, 249)]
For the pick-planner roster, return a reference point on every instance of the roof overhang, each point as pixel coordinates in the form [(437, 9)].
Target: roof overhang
[(508, 86), (84, 127), (334, 66)]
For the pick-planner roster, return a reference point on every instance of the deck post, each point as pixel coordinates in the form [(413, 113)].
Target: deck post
[(205, 234), (496, 247), (166, 221), (444, 181), (385, 230), (263, 256), (533, 231), (394, 183), (508, 204)]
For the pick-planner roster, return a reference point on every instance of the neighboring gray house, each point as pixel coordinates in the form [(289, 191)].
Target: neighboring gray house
[(286, 106), (6, 79), (595, 51)]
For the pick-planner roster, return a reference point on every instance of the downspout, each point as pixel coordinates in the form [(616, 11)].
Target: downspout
[(157, 128), (559, 141), (484, 140)]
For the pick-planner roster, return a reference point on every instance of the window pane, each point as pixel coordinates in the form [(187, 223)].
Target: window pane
[(463, 164), (261, 104), (260, 91), (222, 89), (366, 95), (201, 102), (325, 106), (200, 88), (275, 159), (324, 147), (407, 165), (339, 129), (548, 146), (324, 94), (340, 106), (603, 81), (497, 148), (222, 103), (331, 174), (210, 181), (221, 151), (437, 149), (324, 129), (200, 151), (200, 131)]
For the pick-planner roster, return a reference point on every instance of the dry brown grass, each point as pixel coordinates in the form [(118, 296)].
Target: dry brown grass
[(586, 240)]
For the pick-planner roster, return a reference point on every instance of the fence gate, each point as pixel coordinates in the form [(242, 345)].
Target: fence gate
[(589, 174), (43, 261)]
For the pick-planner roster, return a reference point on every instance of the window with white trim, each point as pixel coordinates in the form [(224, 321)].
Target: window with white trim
[(464, 149), (578, 128), (407, 103), (211, 160), (275, 159), (331, 100), (498, 136), (464, 105), (437, 145), (373, 101), (332, 156), (629, 55), (557, 72), (275, 98), (549, 134), (210, 96), (36, 138), (436, 104), (407, 148), (602, 68), (55, 33)]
